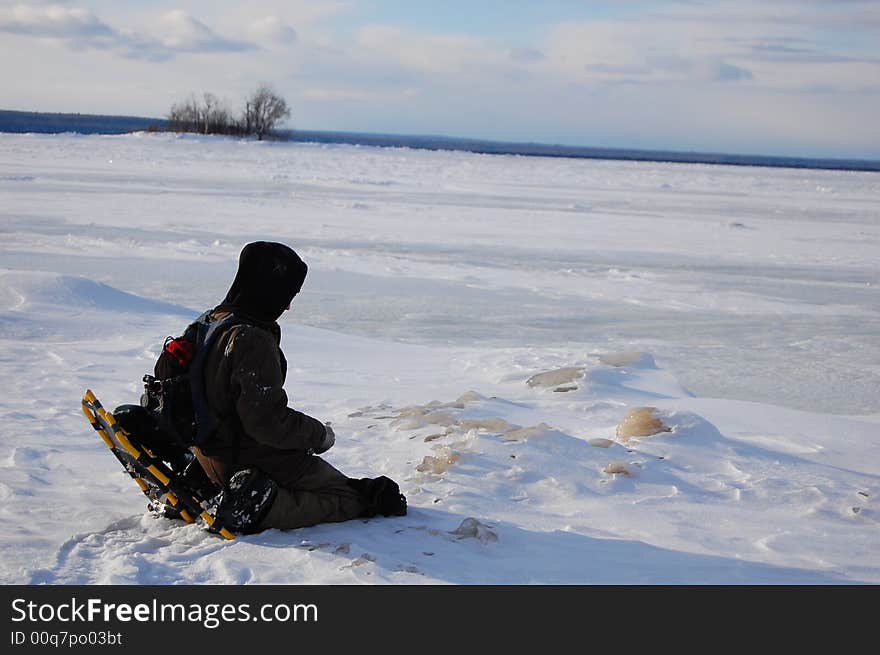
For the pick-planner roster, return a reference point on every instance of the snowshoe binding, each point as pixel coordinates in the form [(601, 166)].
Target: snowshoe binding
[(168, 475)]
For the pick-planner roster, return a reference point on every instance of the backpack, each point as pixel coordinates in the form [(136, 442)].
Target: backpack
[(175, 393)]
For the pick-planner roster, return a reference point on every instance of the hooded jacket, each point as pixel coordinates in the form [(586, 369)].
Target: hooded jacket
[(245, 372)]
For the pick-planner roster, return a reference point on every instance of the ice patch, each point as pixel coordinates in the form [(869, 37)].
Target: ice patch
[(493, 424), (617, 467), (469, 397), (413, 418), (634, 358), (641, 422), (439, 463), (556, 377), (534, 431), (471, 528)]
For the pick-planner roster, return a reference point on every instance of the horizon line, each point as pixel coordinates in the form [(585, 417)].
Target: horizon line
[(562, 149)]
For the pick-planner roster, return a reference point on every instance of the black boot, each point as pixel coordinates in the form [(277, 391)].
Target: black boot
[(245, 500), (381, 495)]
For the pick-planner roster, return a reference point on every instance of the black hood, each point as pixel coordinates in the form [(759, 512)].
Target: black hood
[(269, 276)]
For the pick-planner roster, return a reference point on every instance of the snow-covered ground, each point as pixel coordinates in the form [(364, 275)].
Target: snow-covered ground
[(742, 303)]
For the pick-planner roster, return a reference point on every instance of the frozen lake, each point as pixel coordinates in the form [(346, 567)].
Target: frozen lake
[(442, 285), (748, 283)]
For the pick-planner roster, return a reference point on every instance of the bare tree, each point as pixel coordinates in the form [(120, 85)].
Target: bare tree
[(216, 117), (209, 108), (263, 110), (185, 116), (208, 116)]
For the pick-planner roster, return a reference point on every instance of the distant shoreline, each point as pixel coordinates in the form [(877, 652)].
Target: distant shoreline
[(53, 123)]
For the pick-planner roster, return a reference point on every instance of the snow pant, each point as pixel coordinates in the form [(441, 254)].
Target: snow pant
[(321, 494)]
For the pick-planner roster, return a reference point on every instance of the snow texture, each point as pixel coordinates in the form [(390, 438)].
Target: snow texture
[(475, 327)]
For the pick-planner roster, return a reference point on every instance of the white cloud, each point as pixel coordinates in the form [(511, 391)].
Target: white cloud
[(722, 75), (356, 94), (183, 33), (302, 14), (634, 52), (80, 29), (443, 54), (823, 15), (271, 29), (54, 21)]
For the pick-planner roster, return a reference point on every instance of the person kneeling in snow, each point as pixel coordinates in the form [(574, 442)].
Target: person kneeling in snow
[(264, 454)]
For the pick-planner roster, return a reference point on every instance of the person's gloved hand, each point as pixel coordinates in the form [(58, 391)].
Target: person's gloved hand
[(329, 440)]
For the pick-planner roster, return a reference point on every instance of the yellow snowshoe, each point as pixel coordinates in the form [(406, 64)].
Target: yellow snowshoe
[(173, 481)]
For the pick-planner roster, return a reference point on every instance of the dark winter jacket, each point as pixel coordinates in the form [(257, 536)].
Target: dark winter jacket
[(245, 372)]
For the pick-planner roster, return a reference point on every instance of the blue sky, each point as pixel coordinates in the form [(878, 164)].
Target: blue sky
[(790, 77)]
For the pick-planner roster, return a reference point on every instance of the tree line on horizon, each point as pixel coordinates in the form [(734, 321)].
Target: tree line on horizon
[(262, 111)]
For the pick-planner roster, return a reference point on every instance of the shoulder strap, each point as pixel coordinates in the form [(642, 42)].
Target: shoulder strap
[(208, 332)]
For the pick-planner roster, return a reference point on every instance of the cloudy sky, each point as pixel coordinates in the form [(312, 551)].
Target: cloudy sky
[(791, 77)]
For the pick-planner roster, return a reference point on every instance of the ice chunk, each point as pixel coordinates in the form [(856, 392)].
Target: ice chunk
[(366, 558), (493, 424), (628, 358), (469, 397), (471, 528), (521, 434), (436, 404), (414, 410), (641, 422), (439, 435), (440, 463), (617, 467), (413, 418), (556, 377), (621, 358), (600, 442)]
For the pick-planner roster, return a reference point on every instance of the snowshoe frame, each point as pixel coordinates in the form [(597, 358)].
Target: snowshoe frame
[(151, 474)]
